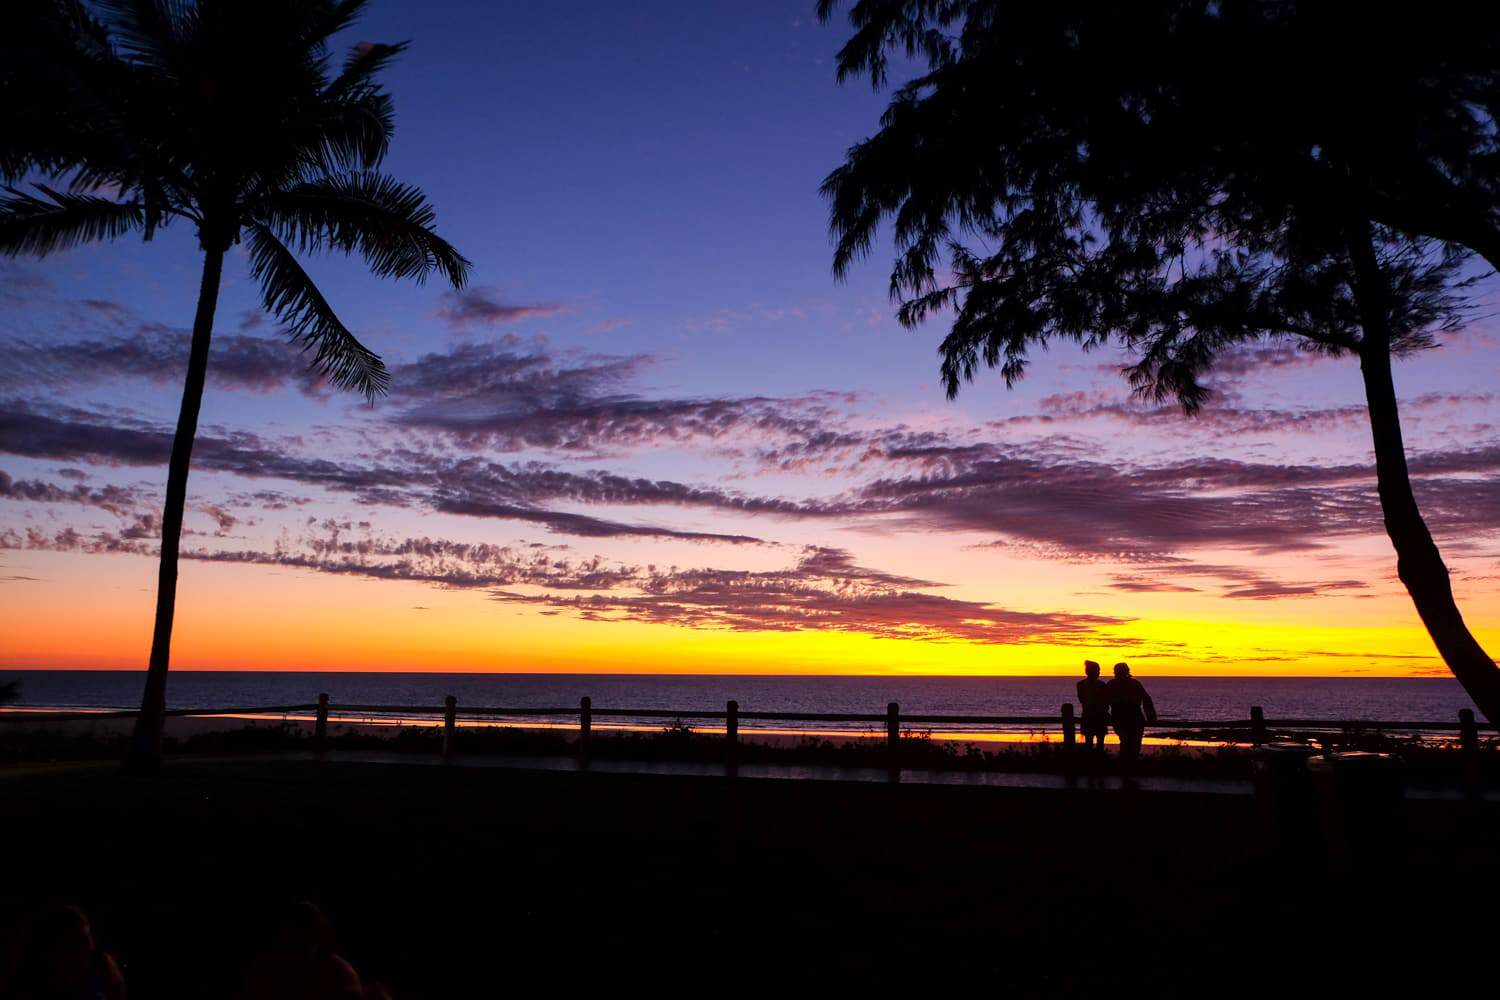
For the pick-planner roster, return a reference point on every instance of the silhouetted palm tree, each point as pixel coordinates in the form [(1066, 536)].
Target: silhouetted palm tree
[(226, 114)]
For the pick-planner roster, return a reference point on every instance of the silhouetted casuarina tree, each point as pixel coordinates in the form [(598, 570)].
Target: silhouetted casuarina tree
[(1184, 177), (229, 115)]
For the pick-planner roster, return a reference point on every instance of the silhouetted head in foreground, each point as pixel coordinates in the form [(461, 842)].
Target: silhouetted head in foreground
[(1122, 670), (299, 960), (1090, 669), (60, 958), (301, 930)]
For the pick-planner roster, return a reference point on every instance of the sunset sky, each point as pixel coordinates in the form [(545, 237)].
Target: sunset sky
[(656, 436)]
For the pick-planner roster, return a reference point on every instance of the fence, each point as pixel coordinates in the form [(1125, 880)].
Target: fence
[(1258, 728)]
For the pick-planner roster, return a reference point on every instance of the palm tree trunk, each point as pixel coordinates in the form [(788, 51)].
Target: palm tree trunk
[(1419, 564), (144, 755)]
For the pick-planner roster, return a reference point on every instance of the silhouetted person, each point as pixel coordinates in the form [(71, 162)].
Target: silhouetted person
[(60, 960), (299, 962), (1131, 709), (1093, 704)]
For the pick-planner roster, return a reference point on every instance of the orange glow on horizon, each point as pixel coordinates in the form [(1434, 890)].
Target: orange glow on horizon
[(233, 617)]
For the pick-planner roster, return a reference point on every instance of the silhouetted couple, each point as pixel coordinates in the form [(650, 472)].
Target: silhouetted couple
[(1123, 703)]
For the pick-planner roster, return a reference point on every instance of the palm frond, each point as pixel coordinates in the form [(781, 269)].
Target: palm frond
[(348, 134), (388, 223), (364, 62), (327, 19), (56, 63), (288, 293), (61, 220), (149, 32)]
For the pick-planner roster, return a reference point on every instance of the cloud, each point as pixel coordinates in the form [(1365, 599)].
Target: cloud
[(332, 547), (510, 395), (1216, 415), (1270, 590), (68, 433), (155, 353), (506, 394), (824, 591), (1096, 509), (486, 307), (1244, 359), (1225, 417), (1133, 583), (224, 520), (582, 524), (20, 283), (1234, 581), (115, 499), (411, 477), (71, 540), (1038, 493)]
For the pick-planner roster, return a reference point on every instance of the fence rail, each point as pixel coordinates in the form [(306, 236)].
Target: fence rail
[(437, 711), (1259, 728), (1256, 724), (13, 715)]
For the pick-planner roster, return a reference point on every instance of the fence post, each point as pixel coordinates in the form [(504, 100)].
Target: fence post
[(320, 728), (1468, 741), (450, 725), (585, 728), (731, 735), (893, 738), (1257, 725), (1067, 719)]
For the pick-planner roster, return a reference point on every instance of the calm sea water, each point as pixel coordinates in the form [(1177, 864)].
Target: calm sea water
[(1417, 699)]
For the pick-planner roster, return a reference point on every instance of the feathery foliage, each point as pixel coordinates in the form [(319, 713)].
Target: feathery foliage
[(229, 114), (61, 220), (1131, 173), (1184, 177)]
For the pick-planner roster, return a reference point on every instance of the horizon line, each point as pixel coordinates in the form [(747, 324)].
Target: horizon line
[(758, 674)]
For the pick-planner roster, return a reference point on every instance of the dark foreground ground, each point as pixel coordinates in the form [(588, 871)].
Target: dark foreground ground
[(476, 882)]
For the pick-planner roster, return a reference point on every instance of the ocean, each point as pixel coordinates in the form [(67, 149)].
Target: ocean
[(1426, 699)]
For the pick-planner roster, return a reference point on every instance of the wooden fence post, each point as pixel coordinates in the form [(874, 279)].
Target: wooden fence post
[(320, 728), (893, 738), (731, 734), (585, 728), (1067, 719), (1468, 741), (450, 725), (1257, 725)]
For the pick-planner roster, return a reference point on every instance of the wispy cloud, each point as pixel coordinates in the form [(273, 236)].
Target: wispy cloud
[(509, 395), (1233, 581), (481, 306), (825, 591), (1027, 493), (115, 499), (583, 525), (130, 347)]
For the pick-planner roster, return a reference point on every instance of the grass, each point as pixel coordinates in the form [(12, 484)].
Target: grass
[(1425, 760), (450, 881)]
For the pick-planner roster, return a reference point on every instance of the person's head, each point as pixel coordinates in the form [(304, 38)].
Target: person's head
[(1090, 669), (302, 930), (1122, 670), (60, 944)]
